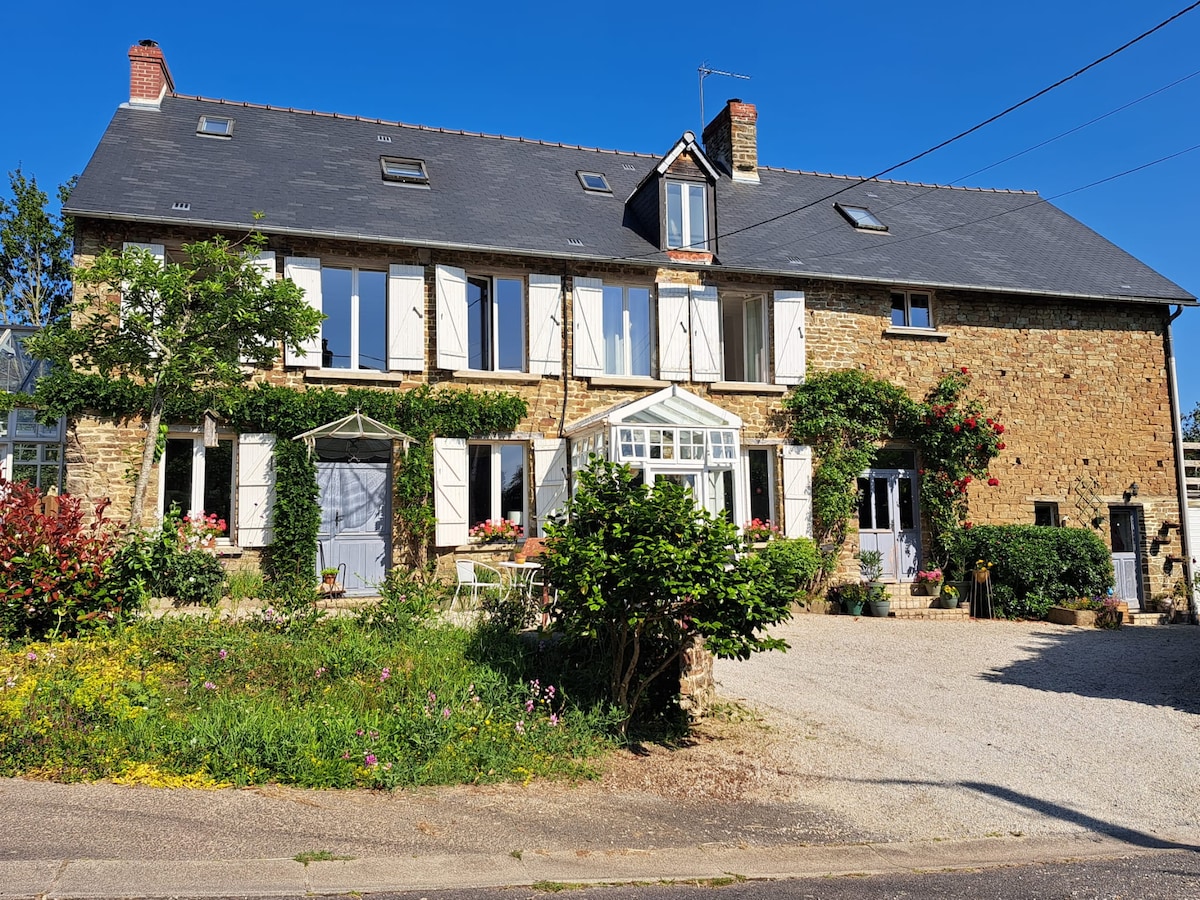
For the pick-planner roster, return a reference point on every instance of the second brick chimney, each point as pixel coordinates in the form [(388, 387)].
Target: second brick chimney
[(149, 77), (731, 139)]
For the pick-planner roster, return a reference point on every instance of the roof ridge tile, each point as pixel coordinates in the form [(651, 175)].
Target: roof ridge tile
[(867, 180)]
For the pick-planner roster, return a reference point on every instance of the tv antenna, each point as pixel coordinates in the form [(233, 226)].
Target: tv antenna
[(704, 71)]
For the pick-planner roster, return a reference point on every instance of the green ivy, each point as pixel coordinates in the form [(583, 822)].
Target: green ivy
[(421, 412)]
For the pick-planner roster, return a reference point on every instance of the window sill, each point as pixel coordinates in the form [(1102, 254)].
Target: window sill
[(929, 334), (626, 381), (353, 375), (748, 387), (482, 375)]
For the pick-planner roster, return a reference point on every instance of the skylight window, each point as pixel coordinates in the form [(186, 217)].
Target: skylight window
[(215, 126), (861, 217), (594, 181), (407, 171)]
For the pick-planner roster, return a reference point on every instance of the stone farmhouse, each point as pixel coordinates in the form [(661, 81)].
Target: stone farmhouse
[(650, 307)]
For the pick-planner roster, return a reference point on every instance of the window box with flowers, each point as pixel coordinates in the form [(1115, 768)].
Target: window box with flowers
[(495, 531), (758, 531), (200, 531)]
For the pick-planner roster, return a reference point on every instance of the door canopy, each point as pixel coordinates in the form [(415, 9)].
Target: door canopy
[(353, 437)]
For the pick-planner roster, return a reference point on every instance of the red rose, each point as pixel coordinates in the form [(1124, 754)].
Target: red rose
[(965, 370), (968, 524), (1000, 446), (957, 429), (993, 481), (999, 428)]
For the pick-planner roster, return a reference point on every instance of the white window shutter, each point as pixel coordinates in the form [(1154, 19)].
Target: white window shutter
[(550, 479), (255, 489), (588, 348), (406, 318), (789, 337), (674, 362), (797, 491), (545, 325), (305, 272), (706, 334), (264, 261), (450, 491), (451, 284), (158, 251)]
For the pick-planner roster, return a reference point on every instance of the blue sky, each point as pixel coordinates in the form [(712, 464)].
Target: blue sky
[(842, 88)]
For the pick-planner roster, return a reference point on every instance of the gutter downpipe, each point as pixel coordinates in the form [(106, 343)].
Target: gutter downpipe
[(1180, 483)]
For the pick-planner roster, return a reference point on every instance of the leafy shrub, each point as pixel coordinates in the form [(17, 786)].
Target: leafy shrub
[(54, 569), (407, 600), (195, 576), (244, 584), (792, 563), (1035, 566)]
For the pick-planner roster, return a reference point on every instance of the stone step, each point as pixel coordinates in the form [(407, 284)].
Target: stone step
[(1148, 618), (928, 613)]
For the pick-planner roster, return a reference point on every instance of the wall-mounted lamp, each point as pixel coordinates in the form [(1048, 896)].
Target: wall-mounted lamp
[(1133, 489)]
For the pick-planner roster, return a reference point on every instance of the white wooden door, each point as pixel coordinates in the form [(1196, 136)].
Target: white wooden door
[(888, 521)]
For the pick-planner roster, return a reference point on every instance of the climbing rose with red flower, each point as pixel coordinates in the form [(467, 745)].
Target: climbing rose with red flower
[(993, 481)]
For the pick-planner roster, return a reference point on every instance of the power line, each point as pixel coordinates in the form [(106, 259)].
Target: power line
[(947, 141)]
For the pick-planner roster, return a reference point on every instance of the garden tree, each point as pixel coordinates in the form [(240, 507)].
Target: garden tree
[(35, 254), (640, 570), (1191, 425), (178, 327)]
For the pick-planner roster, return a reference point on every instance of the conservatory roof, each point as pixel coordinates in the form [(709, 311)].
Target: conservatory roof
[(670, 407)]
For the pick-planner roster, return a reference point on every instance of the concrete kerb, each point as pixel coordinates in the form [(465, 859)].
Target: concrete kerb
[(94, 878)]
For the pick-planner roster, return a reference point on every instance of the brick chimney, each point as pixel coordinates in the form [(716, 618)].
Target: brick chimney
[(731, 139), (149, 77)]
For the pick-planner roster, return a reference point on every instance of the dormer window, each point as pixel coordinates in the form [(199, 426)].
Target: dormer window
[(860, 217), (687, 216)]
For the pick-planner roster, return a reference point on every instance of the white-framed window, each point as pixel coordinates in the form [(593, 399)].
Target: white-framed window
[(496, 323), (354, 334), (497, 483), (628, 330), (29, 451), (760, 479), (722, 446), (744, 337), (197, 479), (687, 215), (37, 464), (911, 309)]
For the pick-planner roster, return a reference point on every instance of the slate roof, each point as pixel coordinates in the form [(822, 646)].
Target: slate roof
[(318, 174)]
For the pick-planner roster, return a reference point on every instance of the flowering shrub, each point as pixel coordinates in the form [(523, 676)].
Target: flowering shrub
[(930, 576), (199, 531), (54, 567), (496, 530), (757, 530)]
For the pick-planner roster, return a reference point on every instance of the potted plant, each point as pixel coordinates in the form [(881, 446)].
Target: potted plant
[(852, 596), (948, 599), (878, 601), (983, 571), (758, 531), (929, 581), (871, 565), (329, 576)]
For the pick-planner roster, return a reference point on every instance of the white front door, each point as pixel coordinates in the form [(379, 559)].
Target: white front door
[(888, 521)]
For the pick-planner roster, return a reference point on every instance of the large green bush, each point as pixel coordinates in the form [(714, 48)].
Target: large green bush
[(793, 564), (1034, 566)]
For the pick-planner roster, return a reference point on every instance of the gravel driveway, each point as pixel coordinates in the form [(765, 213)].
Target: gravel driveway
[(913, 730)]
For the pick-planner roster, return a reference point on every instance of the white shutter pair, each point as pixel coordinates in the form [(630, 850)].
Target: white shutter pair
[(689, 333), (255, 490), (405, 314), (543, 313), (451, 488)]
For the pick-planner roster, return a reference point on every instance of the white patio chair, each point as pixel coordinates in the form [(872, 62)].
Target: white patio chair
[(468, 572)]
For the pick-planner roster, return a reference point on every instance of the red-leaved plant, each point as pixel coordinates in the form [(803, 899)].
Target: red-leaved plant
[(54, 566)]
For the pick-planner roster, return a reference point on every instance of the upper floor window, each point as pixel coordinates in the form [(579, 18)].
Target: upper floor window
[(861, 217), (628, 330), (910, 309), (406, 171), (687, 216), (354, 333), (744, 337), (215, 126), (496, 323)]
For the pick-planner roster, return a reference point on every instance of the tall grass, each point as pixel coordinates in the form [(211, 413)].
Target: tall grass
[(309, 701)]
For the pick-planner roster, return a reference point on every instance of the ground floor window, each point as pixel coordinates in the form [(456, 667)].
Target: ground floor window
[(761, 462), (195, 478), (1045, 514), (29, 451), (496, 483)]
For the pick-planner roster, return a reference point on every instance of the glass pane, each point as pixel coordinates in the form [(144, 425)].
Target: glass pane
[(372, 320), (918, 306), (26, 422), (756, 357), (614, 330), (479, 328), (1045, 514), (512, 480), (1123, 538), (760, 485), (697, 226), (3, 425), (895, 459), (26, 473), (51, 452), (674, 214), (720, 493), (907, 519), (640, 346), (479, 483), (218, 480), (883, 517), (510, 324), (25, 452), (898, 310), (335, 330), (864, 504), (177, 486)]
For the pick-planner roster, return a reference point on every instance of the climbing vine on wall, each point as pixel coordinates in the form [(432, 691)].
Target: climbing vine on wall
[(844, 415), (421, 412)]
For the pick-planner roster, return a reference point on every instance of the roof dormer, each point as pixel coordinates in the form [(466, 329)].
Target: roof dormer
[(674, 206)]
